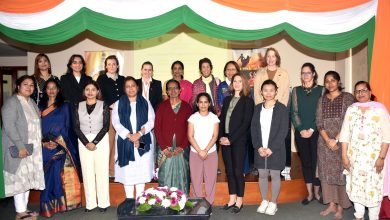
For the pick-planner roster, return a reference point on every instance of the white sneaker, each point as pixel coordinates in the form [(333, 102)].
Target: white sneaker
[(271, 209), (263, 206), (286, 170)]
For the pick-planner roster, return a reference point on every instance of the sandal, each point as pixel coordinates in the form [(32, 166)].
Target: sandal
[(24, 216), (32, 213)]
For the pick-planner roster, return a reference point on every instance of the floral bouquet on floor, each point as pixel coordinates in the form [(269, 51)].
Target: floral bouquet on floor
[(165, 197)]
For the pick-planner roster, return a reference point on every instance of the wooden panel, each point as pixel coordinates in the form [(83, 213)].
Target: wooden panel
[(291, 191)]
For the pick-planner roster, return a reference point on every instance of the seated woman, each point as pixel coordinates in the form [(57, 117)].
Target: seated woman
[(63, 191)]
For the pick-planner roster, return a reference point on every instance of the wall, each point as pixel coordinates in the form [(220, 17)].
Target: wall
[(13, 61)]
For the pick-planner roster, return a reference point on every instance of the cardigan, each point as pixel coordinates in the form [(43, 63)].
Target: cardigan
[(15, 131), (167, 123), (199, 86), (73, 90), (240, 119), (281, 79), (278, 132), (155, 92), (111, 90)]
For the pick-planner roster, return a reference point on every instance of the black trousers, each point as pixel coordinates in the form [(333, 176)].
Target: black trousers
[(307, 148), (287, 142), (234, 158)]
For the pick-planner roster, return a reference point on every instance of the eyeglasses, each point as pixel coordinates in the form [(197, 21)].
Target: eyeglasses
[(362, 91), (173, 88)]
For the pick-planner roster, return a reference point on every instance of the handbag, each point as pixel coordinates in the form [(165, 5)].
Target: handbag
[(14, 151)]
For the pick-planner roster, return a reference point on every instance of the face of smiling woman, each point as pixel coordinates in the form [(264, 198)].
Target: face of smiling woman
[(362, 93), (131, 88), (26, 88)]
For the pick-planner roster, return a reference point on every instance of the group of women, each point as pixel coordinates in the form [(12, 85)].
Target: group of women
[(74, 130)]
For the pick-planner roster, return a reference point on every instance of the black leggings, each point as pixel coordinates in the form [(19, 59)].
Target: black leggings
[(307, 148), (234, 158)]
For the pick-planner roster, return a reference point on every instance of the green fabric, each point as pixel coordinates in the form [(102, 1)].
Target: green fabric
[(131, 30), (305, 105), (175, 171), (2, 190)]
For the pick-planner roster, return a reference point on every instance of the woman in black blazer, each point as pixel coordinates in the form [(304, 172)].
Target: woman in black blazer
[(73, 82), (235, 120), (269, 129), (154, 93)]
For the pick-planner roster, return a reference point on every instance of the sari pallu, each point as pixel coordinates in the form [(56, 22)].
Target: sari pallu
[(63, 188)]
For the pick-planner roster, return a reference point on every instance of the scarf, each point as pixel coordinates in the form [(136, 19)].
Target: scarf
[(124, 146), (372, 104)]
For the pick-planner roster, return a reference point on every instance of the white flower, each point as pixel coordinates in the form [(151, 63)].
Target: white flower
[(166, 203), (142, 200), (160, 194), (173, 189), (174, 195), (182, 204), (152, 201), (183, 198)]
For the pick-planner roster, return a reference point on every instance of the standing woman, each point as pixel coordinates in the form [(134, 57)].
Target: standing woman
[(63, 188), (73, 82), (274, 72), (111, 84), (170, 128), (231, 68), (177, 69), (21, 134), (203, 133), (42, 72), (207, 83), (269, 129), (133, 120), (150, 88), (91, 123), (304, 101), (331, 109), (235, 118), (365, 138)]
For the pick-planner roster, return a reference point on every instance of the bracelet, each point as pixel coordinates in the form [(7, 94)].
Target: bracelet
[(382, 158), (140, 132)]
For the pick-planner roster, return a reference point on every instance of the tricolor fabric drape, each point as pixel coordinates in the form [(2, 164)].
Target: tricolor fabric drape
[(333, 25)]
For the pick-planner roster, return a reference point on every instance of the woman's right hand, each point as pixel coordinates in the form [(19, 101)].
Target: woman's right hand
[(202, 154), (23, 153), (91, 146), (346, 163)]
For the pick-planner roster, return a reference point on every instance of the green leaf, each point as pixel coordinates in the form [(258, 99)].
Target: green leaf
[(190, 204), (144, 207)]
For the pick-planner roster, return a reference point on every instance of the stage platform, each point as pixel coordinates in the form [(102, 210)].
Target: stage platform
[(291, 190)]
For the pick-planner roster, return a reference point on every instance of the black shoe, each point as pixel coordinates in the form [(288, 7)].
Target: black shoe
[(88, 210), (307, 201), (237, 210), (126, 208), (227, 207), (103, 209)]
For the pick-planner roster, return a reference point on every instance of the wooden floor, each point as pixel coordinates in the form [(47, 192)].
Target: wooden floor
[(291, 190)]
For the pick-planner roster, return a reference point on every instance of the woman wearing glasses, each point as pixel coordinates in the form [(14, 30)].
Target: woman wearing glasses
[(365, 138), (304, 100)]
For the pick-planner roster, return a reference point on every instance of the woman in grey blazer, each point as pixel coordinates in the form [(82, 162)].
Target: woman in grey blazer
[(269, 129), (23, 169)]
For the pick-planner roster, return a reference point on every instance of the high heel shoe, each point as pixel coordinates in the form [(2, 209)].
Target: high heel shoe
[(227, 206), (237, 210)]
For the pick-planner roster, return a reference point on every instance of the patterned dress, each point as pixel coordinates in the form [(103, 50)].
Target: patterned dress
[(365, 133), (329, 117), (30, 172)]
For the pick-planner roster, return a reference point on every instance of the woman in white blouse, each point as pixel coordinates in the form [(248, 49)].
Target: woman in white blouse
[(133, 120)]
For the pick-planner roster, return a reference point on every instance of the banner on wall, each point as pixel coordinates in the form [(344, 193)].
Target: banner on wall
[(250, 61), (95, 62)]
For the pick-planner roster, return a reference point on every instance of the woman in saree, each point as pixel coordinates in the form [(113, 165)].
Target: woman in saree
[(170, 127), (60, 164)]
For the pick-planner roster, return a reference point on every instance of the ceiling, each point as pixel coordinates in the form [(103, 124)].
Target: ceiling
[(10, 51)]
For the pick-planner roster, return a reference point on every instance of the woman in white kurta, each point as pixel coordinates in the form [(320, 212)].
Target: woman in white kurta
[(365, 137), (134, 140)]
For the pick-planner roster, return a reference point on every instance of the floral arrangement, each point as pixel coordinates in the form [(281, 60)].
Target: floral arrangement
[(165, 197)]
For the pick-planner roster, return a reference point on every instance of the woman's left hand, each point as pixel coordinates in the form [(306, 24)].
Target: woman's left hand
[(379, 163)]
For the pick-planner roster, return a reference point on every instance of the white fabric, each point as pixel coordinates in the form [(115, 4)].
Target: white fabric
[(314, 22), (129, 190), (265, 123), (203, 130), (78, 78), (94, 166), (141, 169), (373, 212), (21, 201), (145, 88)]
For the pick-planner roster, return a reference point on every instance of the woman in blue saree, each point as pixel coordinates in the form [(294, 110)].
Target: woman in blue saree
[(60, 161)]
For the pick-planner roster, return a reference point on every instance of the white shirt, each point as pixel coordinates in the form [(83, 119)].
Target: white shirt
[(78, 78), (203, 129), (265, 123), (145, 87)]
